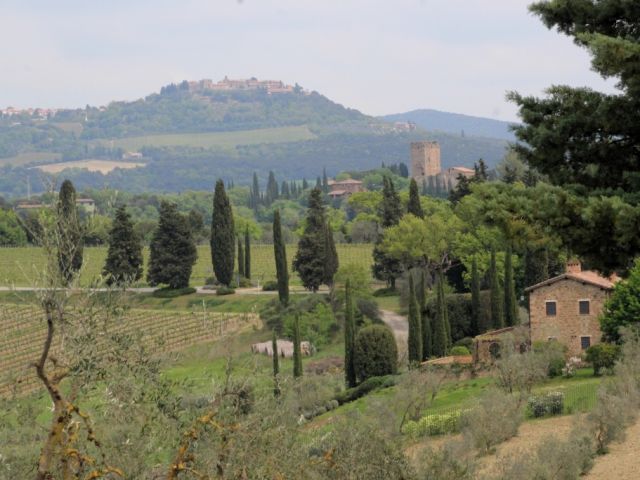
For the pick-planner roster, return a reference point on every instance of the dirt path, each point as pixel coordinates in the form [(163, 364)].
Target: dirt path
[(400, 328), (623, 460)]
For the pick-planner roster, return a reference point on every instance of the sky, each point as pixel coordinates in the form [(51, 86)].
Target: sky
[(379, 56)]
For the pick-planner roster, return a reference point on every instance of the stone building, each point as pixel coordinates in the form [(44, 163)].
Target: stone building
[(344, 188), (566, 308), (425, 160)]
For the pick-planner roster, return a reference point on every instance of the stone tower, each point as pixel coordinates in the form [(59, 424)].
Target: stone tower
[(425, 159)]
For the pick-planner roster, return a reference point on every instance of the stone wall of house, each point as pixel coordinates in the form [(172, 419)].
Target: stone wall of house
[(425, 160), (568, 325)]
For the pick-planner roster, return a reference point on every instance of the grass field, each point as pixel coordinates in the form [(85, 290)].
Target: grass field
[(226, 140), (102, 166), (27, 158), (20, 266)]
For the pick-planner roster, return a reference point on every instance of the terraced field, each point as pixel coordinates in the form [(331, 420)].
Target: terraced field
[(20, 266), (24, 332)]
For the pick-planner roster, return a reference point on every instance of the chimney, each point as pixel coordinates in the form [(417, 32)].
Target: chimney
[(573, 266)]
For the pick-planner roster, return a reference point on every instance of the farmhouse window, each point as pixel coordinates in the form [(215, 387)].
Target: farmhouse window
[(585, 342), (551, 309), (583, 307)]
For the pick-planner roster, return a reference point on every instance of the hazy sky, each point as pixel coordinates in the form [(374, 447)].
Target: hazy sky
[(380, 56)]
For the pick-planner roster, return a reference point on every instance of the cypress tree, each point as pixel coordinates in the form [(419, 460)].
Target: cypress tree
[(172, 251), (331, 263), (70, 246), (440, 339), (414, 206), (319, 183), (349, 339), (284, 190), (247, 254), (497, 302), (510, 302), (255, 193), (390, 211), (222, 236), (276, 364), (427, 335), (476, 326), (415, 331), (297, 352), (305, 184), (310, 258), (279, 250), (272, 189), (124, 257), (325, 181), (240, 258)]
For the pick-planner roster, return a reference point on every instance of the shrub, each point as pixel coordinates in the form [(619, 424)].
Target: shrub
[(466, 342), (495, 418), (385, 292), (369, 308), (222, 290), (270, 286), (376, 352), (602, 356), (168, 292), (366, 387), (610, 417), (211, 281), (435, 424), (317, 326), (244, 283), (453, 461), (551, 403), (459, 350), (554, 354)]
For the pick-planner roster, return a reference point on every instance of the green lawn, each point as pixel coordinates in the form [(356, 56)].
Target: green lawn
[(20, 266), (225, 140)]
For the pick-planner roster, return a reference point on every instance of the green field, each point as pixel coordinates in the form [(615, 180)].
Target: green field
[(226, 140), (20, 266), (27, 158)]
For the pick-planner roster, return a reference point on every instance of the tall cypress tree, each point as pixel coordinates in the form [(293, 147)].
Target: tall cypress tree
[(124, 257), (390, 211), (272, 193), (510, 302), (331, 263), (222, 236), (255, 193), (349, 339), (310, 258), (414, 206), (414, 341), (173, 251), (476, 324), (240, 258), (279, 250), (497, 302), (70, 247), (440, 339), (297, 352), (325, 181), (276, 364), (427, 334), (305, 184), (247, 254)]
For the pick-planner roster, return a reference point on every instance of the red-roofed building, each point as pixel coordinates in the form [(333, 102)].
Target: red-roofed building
[(344, 188)]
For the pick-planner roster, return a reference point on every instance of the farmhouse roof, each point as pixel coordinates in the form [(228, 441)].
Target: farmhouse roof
[(587, 276), (348, 181)]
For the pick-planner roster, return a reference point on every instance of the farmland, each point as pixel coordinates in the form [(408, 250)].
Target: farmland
[(224, 140), (20, 266), (28, 158), (92, 165)]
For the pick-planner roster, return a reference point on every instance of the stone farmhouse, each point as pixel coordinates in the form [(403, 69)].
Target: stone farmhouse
[(566, 308), (344, 188), (426, 166)]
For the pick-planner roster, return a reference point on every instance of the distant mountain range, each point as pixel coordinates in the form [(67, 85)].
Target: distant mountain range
[(457, 123), (192, 133)]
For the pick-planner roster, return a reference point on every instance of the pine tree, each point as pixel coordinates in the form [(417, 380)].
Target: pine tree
[(440, 339), (222, 236), (427, 335), (510, 302), (240, 258), (124, 257), (414, 341), (349, 339), (331, 263), (476, 324), (414, 206), (276, 364), (297, 352), (310, 258), (282, 272), (497, 302), (247, 254), (384, 267), (70, 247), (173, 251)]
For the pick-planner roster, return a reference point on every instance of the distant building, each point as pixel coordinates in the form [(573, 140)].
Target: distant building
[(87, 204), (404, 127), (227, 84), (425, 160), (345, 188)]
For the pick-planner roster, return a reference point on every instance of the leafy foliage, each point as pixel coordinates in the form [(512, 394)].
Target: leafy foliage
[(623, 307), (376, 352)]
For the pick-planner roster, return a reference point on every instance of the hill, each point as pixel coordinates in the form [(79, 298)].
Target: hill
[(455, 123), (190, 134)]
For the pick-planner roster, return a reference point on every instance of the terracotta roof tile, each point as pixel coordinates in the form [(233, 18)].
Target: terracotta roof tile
[(587, 276)]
